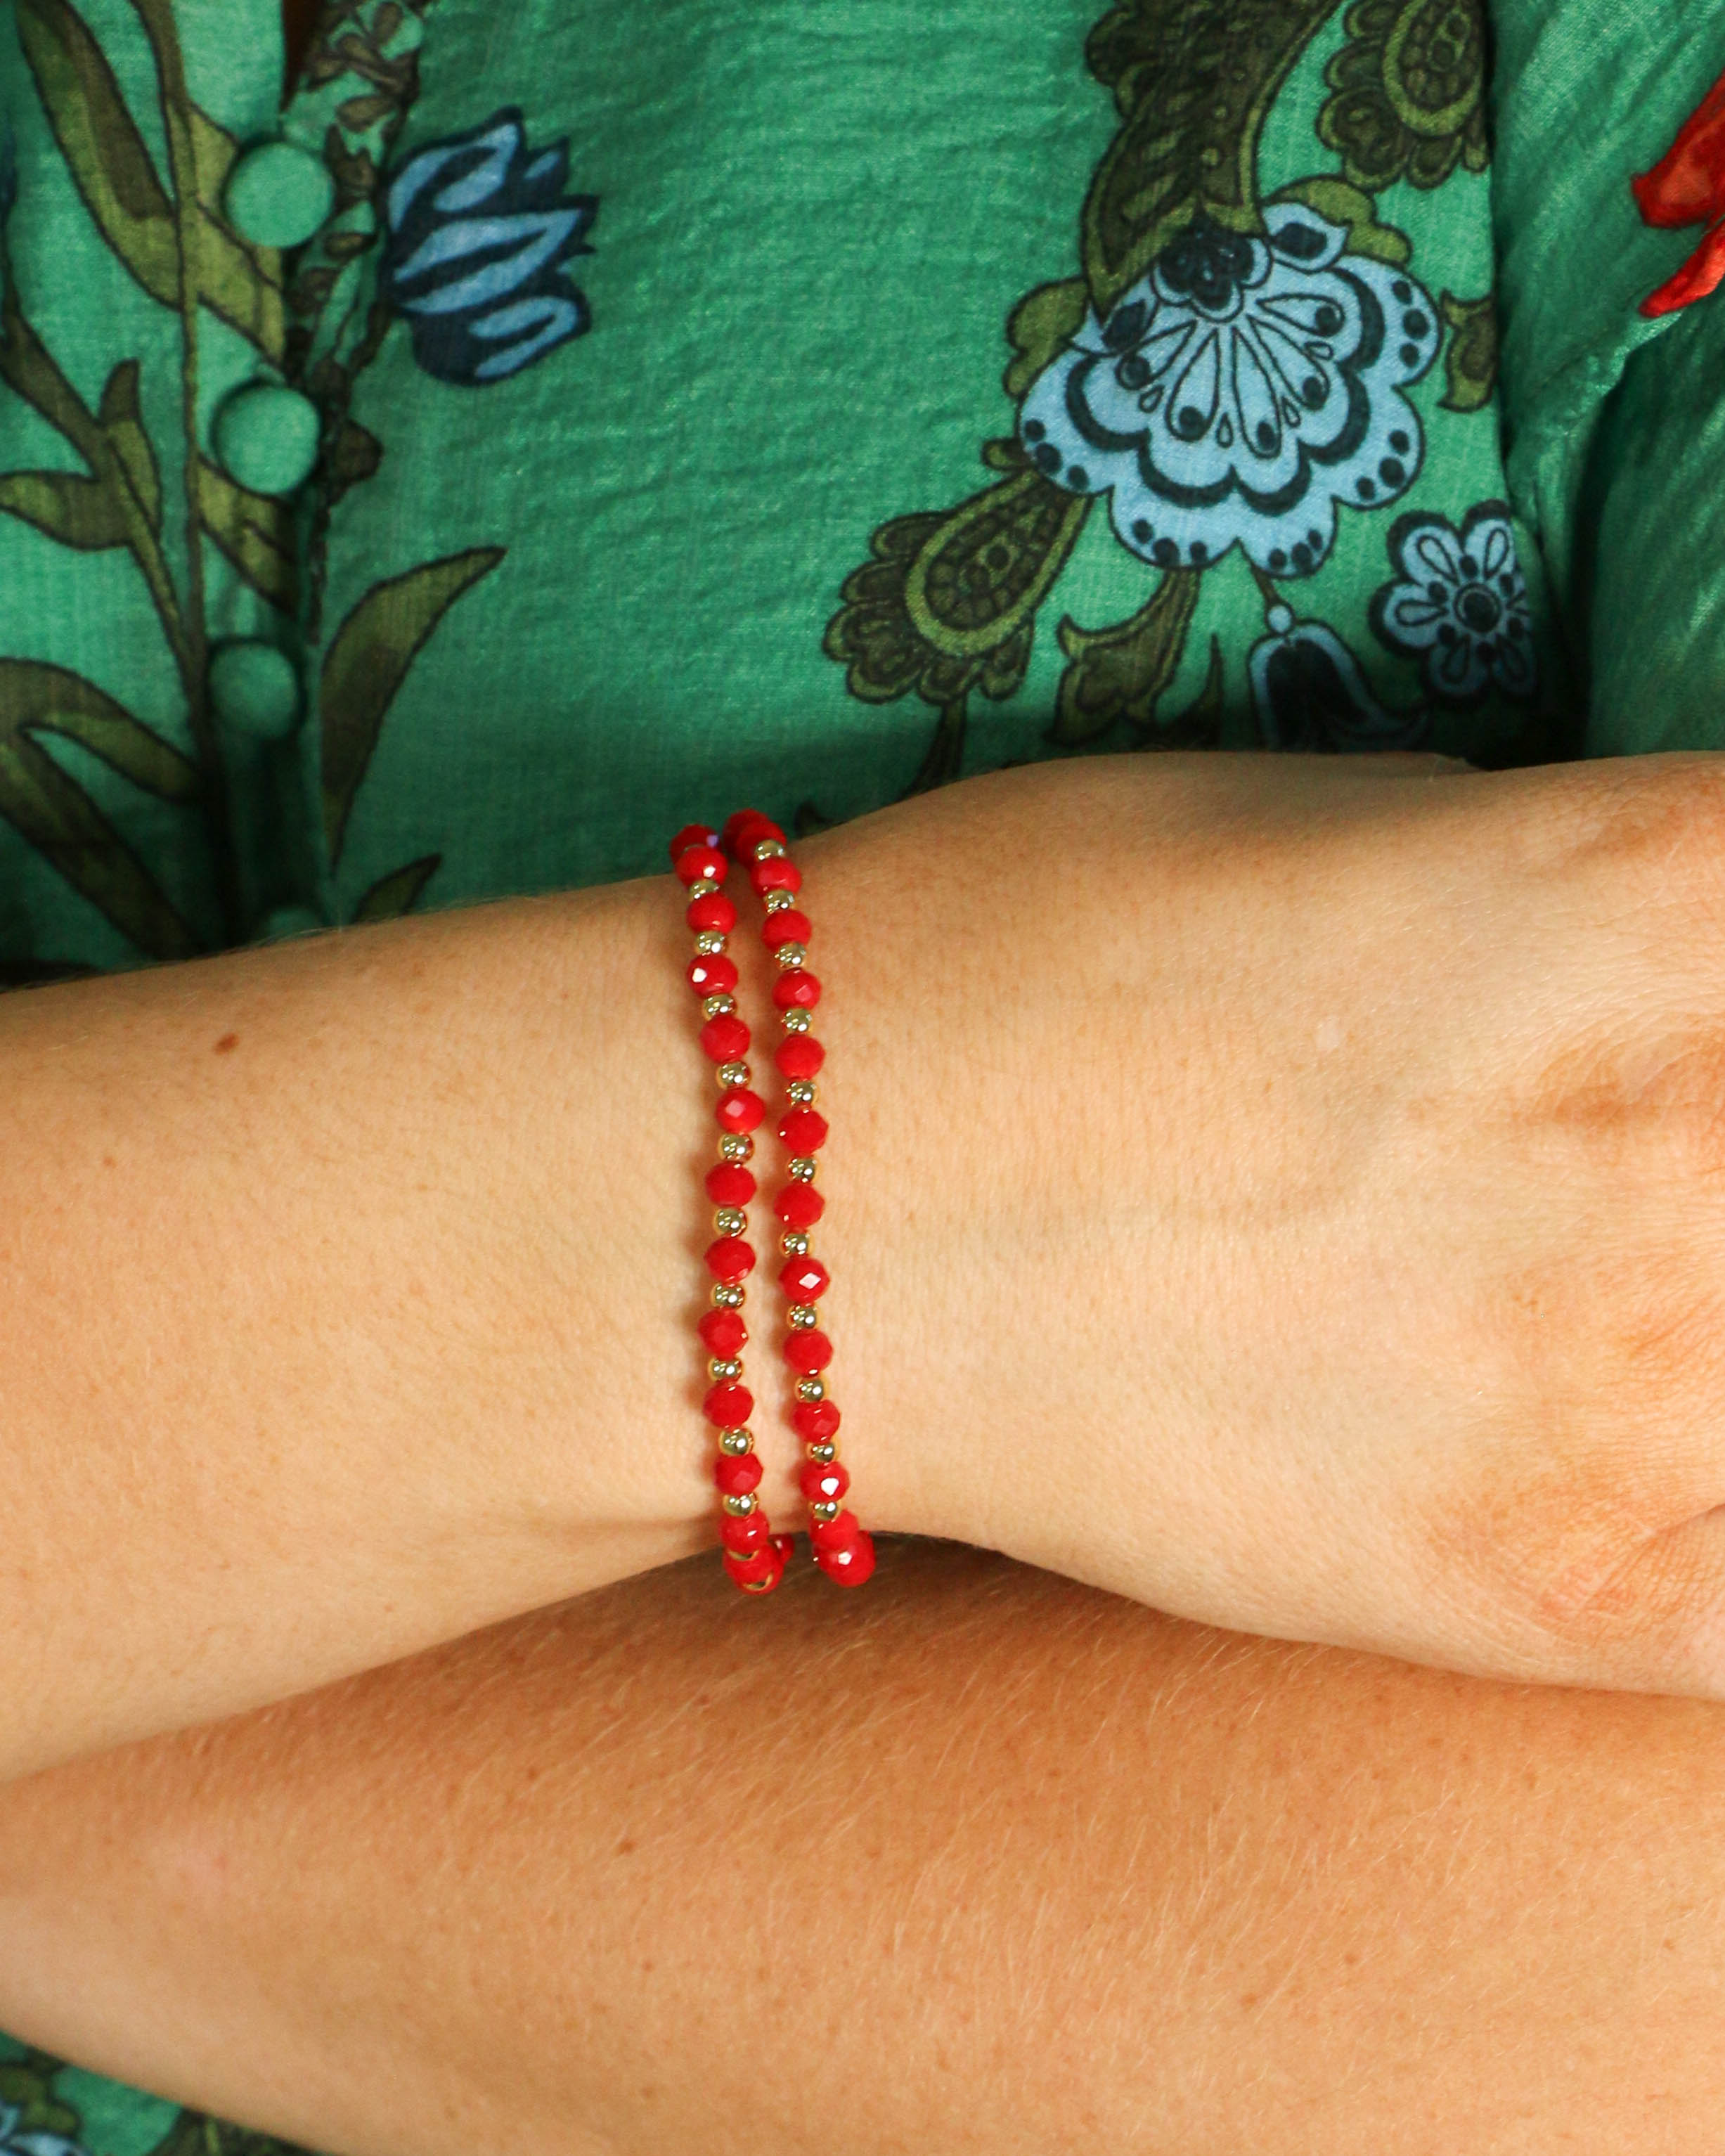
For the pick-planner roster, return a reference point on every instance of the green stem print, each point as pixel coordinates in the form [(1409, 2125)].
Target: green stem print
[(169, 233)]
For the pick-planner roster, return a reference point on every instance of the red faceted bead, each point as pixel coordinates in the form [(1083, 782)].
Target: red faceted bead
[(724, 1332), (729, 1258), (761, 1574), (796, 990), (789, 927), (805, 1280), (803, 1130), (801, 1056), (753, 1570), (834, 1534), (739, 1109), (817, 1420), (713, 977), (694, 835), (736, 1473), (852, 1564), (696, 862), (808, 1352), (715, 912), (739, 829), (725, 1038), (730, 1183), (743, 1536), (780, 872), (824, 1485), (729, 1406), (799, 1205)]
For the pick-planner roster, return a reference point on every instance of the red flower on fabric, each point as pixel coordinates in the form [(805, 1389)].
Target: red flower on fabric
[(1688, 187)]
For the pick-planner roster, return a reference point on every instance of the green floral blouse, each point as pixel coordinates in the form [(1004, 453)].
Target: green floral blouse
[(563, 419)]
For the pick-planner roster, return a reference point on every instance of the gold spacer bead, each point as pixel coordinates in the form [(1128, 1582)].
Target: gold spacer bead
[(804, 1315), (722, 1368), (735, 1147), (702, 887), (710, 943), (801, 1168), (793, 1243), (730, 1220), (728, 1296), (797, 1021), (718, 1007), (824, 1456), (732, 1074), (824, 1512), (800, 1092), (780, 901), (771, 849), (811, 1388), (740, 1507), (737, 1440), (790, 956)]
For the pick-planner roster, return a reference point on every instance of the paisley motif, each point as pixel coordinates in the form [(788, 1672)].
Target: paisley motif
[(1409, 93)]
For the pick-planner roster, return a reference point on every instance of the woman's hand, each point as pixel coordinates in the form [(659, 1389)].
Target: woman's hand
[(1290, 1192)]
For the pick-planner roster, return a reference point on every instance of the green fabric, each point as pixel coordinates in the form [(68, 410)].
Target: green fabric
[(1654, 559), (793, 402), (1588, 94)]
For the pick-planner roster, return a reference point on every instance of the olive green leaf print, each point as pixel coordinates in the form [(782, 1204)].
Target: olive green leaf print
[(1471, 363), (398, 892), (102, 145), (78, 512), (947, 605), (1124, 672), (1409, 99), (368, 661), (59, 819)]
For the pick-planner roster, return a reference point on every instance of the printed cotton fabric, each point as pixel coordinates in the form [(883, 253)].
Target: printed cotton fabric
[(543, 429)]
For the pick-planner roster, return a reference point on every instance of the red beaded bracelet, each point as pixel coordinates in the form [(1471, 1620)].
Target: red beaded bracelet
[(753, 1556)]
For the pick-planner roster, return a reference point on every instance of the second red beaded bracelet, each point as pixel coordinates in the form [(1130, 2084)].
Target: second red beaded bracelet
[(753, 1556)]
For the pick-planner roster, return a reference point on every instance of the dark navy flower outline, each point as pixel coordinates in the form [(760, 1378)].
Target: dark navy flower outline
[(477, 234), (1312, 694)]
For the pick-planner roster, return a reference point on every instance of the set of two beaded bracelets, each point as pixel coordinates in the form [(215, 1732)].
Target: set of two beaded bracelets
[(753, 1556)]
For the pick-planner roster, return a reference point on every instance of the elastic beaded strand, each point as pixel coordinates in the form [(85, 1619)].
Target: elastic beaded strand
[(753, 1555), (842, 1547)]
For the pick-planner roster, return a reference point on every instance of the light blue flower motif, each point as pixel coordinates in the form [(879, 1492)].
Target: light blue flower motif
[(14, 2143), (1460, 605), (478, 233), (1242, 393)]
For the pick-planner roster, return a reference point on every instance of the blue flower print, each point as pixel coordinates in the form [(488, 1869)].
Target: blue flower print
[(478, 234), (14, 2143)]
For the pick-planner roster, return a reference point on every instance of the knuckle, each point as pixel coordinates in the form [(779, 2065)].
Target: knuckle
[(1567, 1541)]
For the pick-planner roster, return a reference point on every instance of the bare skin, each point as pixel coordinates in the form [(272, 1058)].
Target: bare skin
[(980, 1859), (1284, 1191)]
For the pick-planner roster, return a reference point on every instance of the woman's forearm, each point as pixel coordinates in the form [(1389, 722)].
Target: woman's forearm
[(983, 1860), (349, 1289)]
